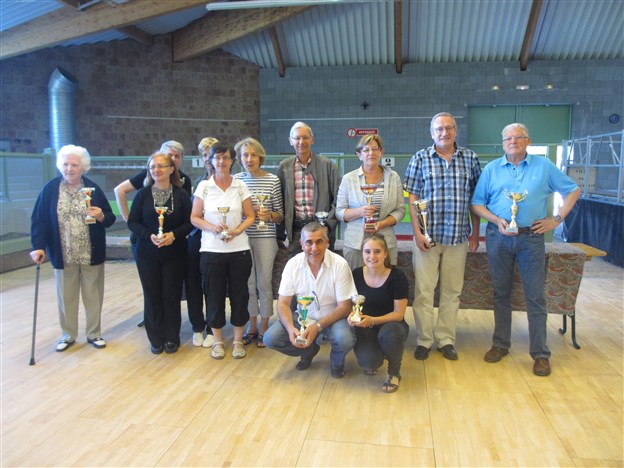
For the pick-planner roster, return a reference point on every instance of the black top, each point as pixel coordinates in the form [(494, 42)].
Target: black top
[(143, 222), (380, 301), (137, 181)]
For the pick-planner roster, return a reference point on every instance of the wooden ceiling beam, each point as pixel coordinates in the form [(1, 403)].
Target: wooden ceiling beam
[(281, 68), (525, 52), (220, 27), (66, 23), (398, 36)]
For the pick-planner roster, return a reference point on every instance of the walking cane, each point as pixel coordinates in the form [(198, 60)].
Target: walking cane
[(34, 330)]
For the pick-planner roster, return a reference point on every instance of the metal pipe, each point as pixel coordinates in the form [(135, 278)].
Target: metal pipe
[(61, 89)]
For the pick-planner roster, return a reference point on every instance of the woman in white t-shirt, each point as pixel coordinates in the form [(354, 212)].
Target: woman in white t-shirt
[(222, 209)]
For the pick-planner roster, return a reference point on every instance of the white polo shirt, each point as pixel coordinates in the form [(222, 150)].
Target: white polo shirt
[(334, 283), (214, 198)]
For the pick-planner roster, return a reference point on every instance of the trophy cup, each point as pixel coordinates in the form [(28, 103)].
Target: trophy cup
[(423, 214), (87, 191), (321, 217), (225, 234), (261, 199), (515, 197), (161, 210), (304, 302), (357, 300), (369, 190)]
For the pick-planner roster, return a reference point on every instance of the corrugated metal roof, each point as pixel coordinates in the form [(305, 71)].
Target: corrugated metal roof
[(433, 31)]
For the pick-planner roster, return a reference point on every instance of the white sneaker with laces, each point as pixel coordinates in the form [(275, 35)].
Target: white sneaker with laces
[(198, 338), (208, 342)]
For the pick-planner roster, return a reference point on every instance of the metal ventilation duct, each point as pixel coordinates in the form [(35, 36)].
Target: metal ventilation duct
[(61, 90)]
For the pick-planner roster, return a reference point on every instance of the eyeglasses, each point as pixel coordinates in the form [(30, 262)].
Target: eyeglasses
[(441, 129), (301, 138), (153, 167), (375, 149), (221, 158), (514, 138)]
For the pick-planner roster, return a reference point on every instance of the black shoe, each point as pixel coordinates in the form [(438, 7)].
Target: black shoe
[(158, 349), (305, 362), (448, 351), (338, 372), (421, 353), (171, 347)]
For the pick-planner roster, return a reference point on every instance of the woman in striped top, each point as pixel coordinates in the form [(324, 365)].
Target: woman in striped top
[(266, 195)]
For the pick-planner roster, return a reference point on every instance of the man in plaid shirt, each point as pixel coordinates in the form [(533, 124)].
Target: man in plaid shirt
[(444, 175)]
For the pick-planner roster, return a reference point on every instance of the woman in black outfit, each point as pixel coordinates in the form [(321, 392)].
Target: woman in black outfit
[(382, 331), (161, 260)]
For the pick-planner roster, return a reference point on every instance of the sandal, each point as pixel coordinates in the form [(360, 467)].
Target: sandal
[(238, 350), (249, 337), (370, 372), (390, 387), (260, 342), (218, 352)]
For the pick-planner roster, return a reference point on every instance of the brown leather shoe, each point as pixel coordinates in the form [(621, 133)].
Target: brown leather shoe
[(541, 367), (495, 354)]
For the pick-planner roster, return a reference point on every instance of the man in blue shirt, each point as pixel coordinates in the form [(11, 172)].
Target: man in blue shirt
[(534, 177), (444, 175)]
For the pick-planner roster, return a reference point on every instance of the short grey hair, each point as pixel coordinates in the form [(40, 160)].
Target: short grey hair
[(521, 126), (301, 125), (82, 153), (442, 114), (174, 145)]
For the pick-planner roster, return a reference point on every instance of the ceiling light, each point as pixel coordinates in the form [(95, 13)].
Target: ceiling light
[(522, 87), (549, 86), (495, 87), (238, 5)]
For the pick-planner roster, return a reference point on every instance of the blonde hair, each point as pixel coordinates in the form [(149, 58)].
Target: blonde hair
[(254, 145)]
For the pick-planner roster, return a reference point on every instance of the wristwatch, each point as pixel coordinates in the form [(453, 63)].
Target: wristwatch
[(558, 218), (319, 326)]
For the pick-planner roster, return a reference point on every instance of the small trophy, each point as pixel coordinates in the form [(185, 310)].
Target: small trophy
[(515, 198), (423, 214), (161, 210), (261, 199), (369, 190), (321, 217), (357, 300), (304, 302), (225, 234), (87, 191)]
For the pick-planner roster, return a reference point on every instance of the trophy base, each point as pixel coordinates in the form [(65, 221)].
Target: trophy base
[(431, 242), (369, 225), (262, 226), (355, 319), (90, 220), (301, 341), (512, 229), (225, 235)]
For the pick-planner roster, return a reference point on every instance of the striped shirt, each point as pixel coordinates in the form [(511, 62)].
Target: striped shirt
[(448, 187), (267, 184)]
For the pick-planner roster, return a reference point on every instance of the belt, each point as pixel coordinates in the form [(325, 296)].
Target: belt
[(299, 223), (525, 230)]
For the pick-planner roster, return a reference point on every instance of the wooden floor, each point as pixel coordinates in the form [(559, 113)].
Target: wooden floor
[(123, 406)]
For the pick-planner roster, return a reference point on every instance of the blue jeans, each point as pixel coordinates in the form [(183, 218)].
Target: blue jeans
[(382, 341), (340, 335), (528, 251)]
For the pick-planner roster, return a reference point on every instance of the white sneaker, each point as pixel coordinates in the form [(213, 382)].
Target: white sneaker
[(208, 342), (198, 338)]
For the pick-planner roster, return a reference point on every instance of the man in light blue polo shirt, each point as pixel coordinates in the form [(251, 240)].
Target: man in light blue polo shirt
[(534, 177)]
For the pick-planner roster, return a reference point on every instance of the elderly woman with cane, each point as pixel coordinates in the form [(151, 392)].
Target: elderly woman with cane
[(68, 223)]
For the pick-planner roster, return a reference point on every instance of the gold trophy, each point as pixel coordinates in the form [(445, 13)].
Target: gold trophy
[(423, 214), (515, 197), (304, 302), (357, 300), (87, 191), (225, 234), (321, 217), (261, 199), (369, 190), (161, 210)]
